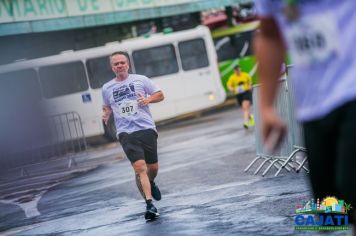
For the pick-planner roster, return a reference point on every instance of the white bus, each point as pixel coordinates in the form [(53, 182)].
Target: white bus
[(183, 64)]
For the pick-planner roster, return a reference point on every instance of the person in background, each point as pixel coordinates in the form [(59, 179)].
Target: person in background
[(240, 84), (127, 97), (320, 38)]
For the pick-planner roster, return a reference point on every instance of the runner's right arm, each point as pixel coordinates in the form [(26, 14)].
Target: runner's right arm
[(106, 113)]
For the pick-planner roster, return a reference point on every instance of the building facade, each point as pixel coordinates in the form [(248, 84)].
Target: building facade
[(36, 28)]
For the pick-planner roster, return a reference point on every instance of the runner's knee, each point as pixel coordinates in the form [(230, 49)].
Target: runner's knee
[(152, 167), (139, 166)]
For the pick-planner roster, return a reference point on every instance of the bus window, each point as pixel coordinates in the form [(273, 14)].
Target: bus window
[(99, 70), (155, 61), (62, 79), (193, 54), (24, 83)]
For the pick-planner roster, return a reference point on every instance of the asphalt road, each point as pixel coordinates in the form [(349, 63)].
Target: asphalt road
[(202, 179)]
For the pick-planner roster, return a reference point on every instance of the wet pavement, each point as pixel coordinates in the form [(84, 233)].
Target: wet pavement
[(202, 179)]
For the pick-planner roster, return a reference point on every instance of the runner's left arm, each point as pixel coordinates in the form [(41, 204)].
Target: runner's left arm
[(153, 93), (249, 82), (154, 98)]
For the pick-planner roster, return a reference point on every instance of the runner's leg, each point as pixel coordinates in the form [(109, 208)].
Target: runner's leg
[(246, 110), (142, 179), (152, 170)]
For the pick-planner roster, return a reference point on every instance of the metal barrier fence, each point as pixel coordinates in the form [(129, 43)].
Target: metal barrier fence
[(286, 155), (67, 134), (62, 137)]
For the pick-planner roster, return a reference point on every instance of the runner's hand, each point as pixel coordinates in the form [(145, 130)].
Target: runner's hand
[(106, 114), (142, 101), (273, 129)]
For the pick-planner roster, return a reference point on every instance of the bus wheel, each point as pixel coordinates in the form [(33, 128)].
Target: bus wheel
[(110, 129)]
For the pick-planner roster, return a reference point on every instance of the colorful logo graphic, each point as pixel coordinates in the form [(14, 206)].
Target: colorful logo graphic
[(328, 214)]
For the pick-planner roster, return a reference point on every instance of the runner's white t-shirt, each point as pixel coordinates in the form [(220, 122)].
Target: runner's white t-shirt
[(122, 97)]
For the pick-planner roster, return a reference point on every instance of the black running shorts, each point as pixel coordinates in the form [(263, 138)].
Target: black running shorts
[(244, 96), (331, 145), (140, 145)]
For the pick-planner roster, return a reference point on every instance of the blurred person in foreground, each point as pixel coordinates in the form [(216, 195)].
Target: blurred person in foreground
[(240, 84), (127, 97), (320, 37)]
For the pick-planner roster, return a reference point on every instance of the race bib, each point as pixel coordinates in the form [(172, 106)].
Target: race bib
[(313, 39), (128, 108), (240, 89)]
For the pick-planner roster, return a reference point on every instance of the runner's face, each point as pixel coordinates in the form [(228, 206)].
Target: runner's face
[(119, 64)]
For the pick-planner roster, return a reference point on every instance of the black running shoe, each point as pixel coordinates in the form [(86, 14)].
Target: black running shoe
[(156, 194), (151, 212)]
